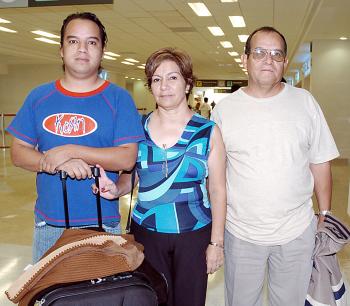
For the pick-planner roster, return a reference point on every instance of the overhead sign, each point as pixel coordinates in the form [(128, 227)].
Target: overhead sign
[(66, 2), (220, 83), (35, 3), (13, 3)]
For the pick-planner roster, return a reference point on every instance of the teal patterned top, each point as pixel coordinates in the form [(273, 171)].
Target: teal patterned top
[(172, 181)]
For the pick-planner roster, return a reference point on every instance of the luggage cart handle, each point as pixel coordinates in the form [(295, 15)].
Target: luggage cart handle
[(96, 173)]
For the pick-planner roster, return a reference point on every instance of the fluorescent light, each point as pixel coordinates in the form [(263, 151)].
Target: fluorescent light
[(141, 67), (126, 77), (216, 31), (240, 65), (109, 57), (243, 38), (226, 44), (237, 60), (200, 9), (46, 40), (228, 1), (233, 53), (343, 38), (237, 21), (112, 54), (4, 21), (132, 60), (133, 78), (126, 63), (139, 79), (45, 34), (3, 29)]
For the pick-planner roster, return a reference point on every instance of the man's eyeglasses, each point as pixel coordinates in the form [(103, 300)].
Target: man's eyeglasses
[(260, 54)]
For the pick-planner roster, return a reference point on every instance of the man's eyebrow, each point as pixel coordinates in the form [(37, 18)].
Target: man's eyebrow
[(74, 36)]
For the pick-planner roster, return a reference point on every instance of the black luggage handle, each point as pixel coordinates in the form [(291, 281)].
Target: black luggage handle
[(96, 173)]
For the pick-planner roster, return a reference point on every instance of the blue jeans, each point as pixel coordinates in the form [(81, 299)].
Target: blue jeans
[(46, 235)]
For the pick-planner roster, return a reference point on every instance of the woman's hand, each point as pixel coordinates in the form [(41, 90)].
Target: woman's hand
[(215, 258), (108, 188)]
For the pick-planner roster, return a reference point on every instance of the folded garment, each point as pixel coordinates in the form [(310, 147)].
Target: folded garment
[(327, 287)]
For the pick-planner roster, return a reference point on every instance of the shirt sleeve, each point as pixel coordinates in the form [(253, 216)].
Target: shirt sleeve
[(23, 125), (215, 117), (322, 146), (128, 128)]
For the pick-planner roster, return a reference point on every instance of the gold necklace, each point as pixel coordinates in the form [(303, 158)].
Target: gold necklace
[(165, 161)]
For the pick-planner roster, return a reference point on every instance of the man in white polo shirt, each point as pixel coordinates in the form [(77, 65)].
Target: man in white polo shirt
[(278, 151)]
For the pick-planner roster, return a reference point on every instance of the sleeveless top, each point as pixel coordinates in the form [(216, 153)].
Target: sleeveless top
[(172, 196)]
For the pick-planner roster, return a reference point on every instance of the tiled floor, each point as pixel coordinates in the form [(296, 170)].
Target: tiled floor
[(17, 189)]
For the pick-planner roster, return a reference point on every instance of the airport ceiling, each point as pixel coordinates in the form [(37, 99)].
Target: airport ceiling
[(138, 27)]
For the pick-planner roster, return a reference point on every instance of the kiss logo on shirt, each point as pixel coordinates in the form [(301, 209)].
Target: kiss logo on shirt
[(69, 125)]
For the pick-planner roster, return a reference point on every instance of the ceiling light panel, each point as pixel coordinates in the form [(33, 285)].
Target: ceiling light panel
[(233, 53), (243, 38), (126, 63), (226, 44), (216, 31), (228, 1), (47, 40), (111, 54), (238, 60), (109, 57), (200, 9), (45, 34), (343, 38), (3, 29), (4, 21), (132, 60), (237, 21)]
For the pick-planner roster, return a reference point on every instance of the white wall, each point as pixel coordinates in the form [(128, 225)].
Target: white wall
[(142, 97), (20, 80), (330, 84), (16, 81)]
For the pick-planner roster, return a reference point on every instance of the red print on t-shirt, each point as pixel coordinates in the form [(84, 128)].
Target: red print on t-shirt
[(69, 125)]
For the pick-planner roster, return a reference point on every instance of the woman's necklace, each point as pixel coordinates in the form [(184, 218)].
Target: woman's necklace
[(165, 161)]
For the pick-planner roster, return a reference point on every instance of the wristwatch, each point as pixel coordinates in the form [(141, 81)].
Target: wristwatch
[(324, 212)]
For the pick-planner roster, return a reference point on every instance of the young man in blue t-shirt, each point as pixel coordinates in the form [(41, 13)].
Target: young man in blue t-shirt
[(76, 121)]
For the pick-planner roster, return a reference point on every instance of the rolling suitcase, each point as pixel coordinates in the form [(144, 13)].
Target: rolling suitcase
[(125, 289)]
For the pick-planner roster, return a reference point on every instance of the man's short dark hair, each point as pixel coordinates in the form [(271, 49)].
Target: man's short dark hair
[(86, 16), (205, 99), (268, 30)]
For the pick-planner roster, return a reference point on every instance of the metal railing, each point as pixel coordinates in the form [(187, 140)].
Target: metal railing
[(3, 125)]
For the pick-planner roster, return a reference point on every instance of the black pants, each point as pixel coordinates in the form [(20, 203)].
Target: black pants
[(181, 258)]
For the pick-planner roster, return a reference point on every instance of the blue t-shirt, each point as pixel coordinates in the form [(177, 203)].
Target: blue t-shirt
[(172, 194), (52, 116)]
